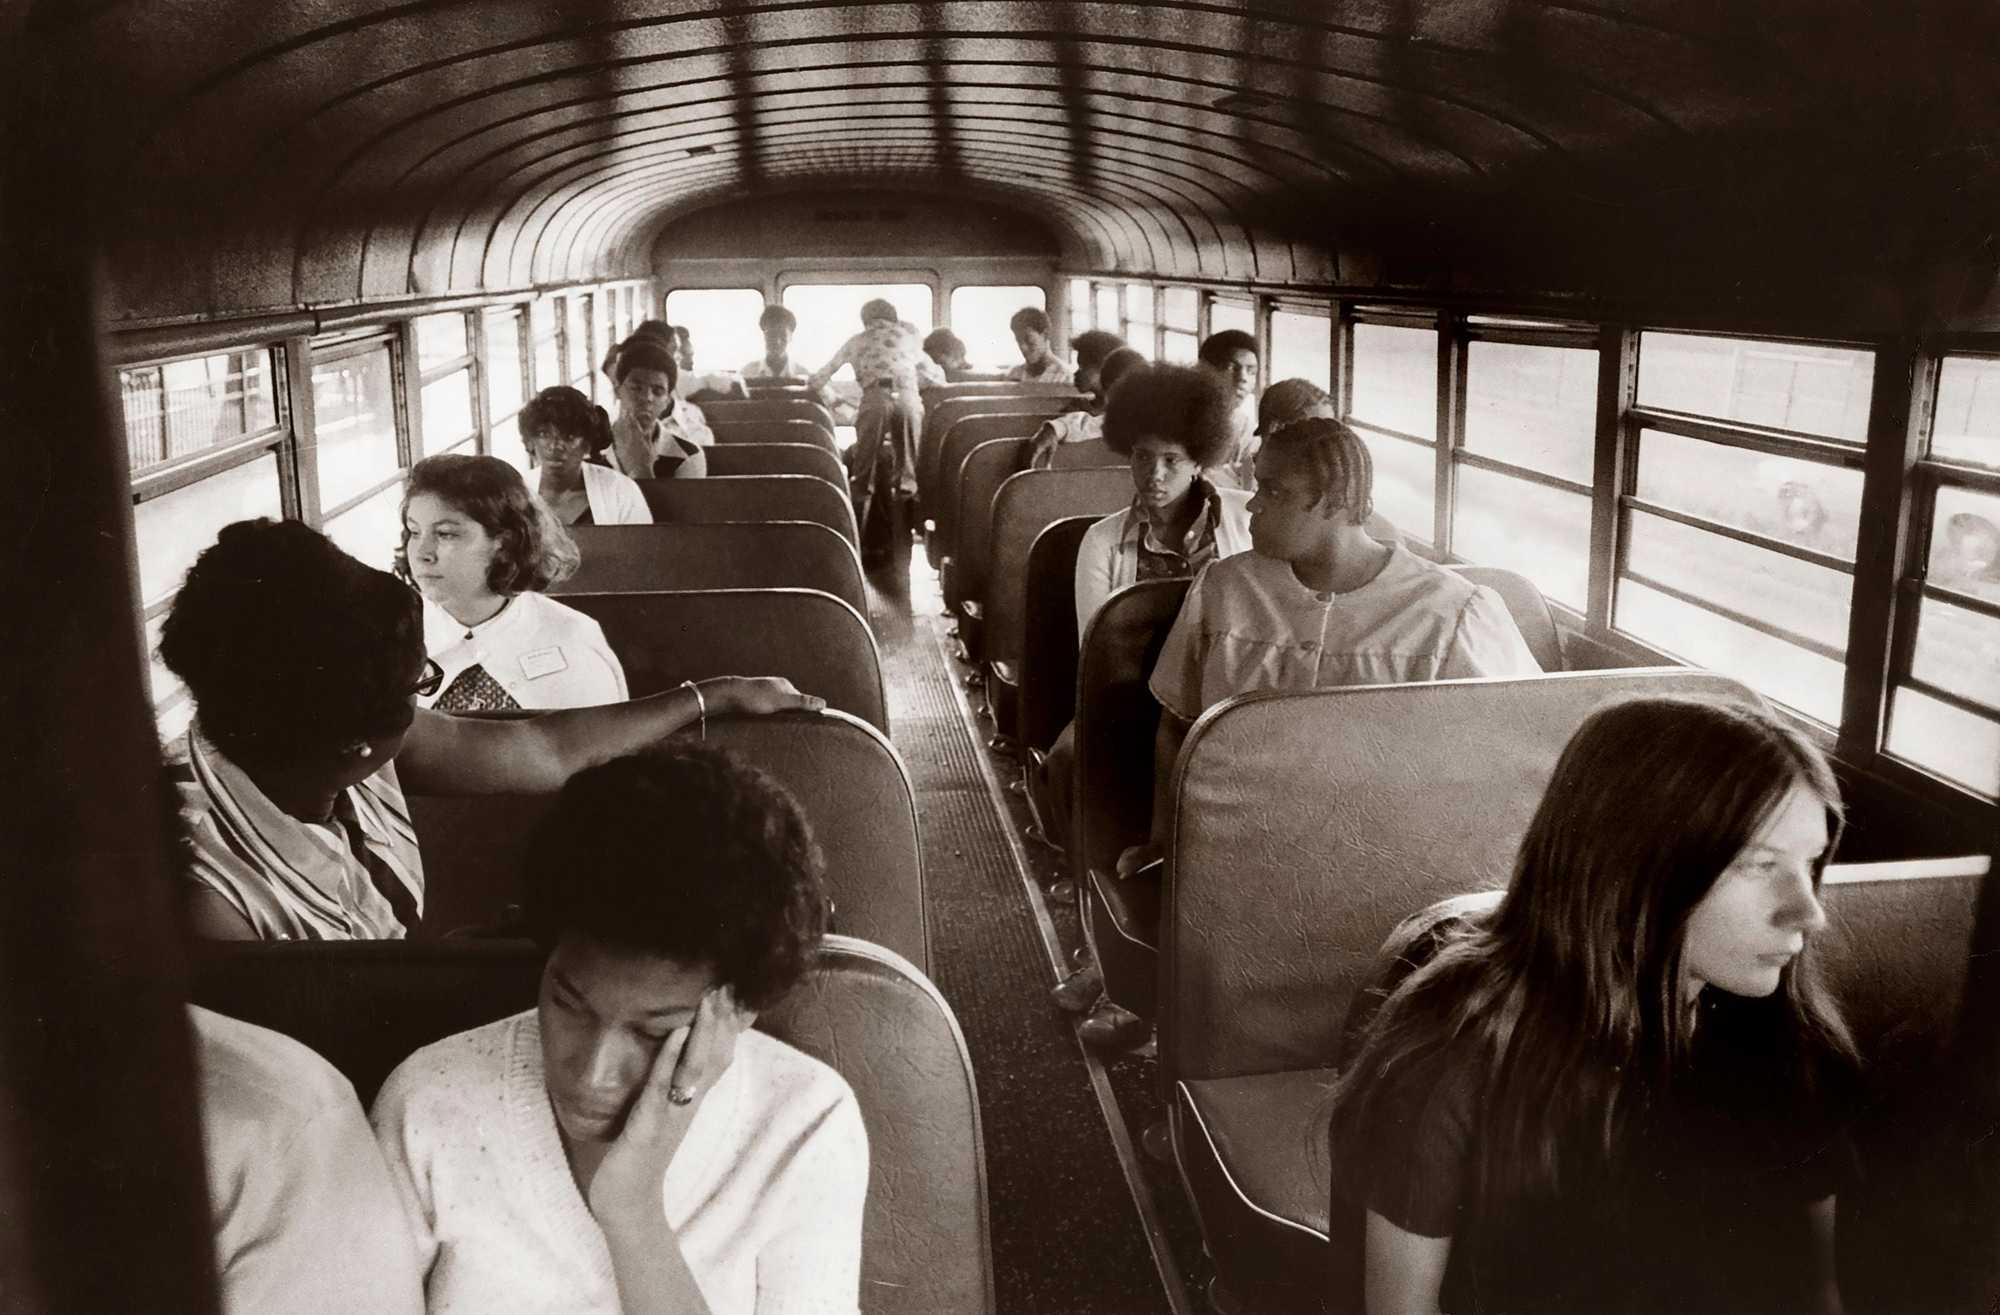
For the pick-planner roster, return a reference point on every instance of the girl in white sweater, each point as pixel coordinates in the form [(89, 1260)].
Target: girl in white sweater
[(630, 1145)]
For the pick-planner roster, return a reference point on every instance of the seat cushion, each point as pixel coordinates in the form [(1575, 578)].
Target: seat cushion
[(1253, 1155)]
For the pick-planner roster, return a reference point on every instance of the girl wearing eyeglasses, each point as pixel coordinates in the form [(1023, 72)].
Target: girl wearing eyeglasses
[(567, 436)]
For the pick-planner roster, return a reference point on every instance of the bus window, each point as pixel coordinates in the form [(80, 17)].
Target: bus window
[(181, 408), (1139, 319), (1737, 557), (547, 351), (1180, 333), (830, 313), (1079, 306), (1231, 315), (1966, 426), (576, 340), (444, 356), (503, 385), (1301, 347), (1395, 409), (441, 341), (1109, 315), (979, 317), (723, 325), (1523, 484), (359, 462), (1807, 389)]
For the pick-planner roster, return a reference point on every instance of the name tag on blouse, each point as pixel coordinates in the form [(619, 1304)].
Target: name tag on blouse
[(543, 662)]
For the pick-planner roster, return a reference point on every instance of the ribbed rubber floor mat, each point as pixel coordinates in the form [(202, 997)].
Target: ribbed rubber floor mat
[(1066, 1236)]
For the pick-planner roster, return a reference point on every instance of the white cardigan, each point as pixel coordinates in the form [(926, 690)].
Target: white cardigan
[(765, 1194), (615, 499), (544, 654), (1108, 558)]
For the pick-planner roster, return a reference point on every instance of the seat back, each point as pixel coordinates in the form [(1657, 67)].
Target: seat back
[(812, 639), (776, 459), (877, 1020), (759, 555), (939, 419), (1049, 644), (960, 443), (1307, 825), (763, 408), (845, 774), (986, 468), (816, 432), (1897, 953), (1025, 505), (1087, 455), (1529, 609), (751, 498), (1116, 718)]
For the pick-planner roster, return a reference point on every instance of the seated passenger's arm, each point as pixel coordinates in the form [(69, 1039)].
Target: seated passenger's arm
[(1404, 1272), (535, 755), (928, 373), (210, 917), (1094, 561), (1487, 642), (1826, 1287)]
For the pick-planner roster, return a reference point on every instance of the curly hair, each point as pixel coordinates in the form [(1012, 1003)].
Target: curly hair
[(569, 412), (290, 647), (1217, 348), (646, 351), (687, 852), (943, 342), (531, 548), (1029, 319), (1342, 470), (879, 308), (1170, 402), (1289, 401), (1093, 346), (775, 316), (1115, 367)]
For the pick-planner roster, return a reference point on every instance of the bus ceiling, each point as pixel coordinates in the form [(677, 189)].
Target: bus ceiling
[(1826, 163)]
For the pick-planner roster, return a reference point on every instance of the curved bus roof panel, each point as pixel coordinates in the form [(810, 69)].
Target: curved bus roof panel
[(292, 156)]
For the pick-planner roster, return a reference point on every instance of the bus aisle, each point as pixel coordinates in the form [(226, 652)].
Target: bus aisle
[(1075, 1205)]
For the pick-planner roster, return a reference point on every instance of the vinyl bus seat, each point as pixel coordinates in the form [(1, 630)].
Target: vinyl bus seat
[(871, 1015), (1088, 454), (1049, 644), (1030, 409), (963, 577), (767, 407), (1306, 827), (1116, 720), (726, 459), (845, 774), (946, 511), (1025, 505), (820, 433), (751, 498), (814, 640), (759, 555)]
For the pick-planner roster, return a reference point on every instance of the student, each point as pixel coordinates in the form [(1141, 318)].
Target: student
[(777, 324), (304, 1215), (713, 385), (305, 666), (630, 1145), (1101, 360), (1317, 603), (1232, 355), (567, 435), (888, 361), (1289, 401), (1623, 1091), (655, 435), (1038, 364), (482, 552), (947, 350)]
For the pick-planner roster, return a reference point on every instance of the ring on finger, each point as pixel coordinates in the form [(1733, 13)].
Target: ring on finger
[(680, 1095)]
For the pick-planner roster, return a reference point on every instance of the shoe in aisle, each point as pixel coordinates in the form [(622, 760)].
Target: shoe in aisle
[(1077, 992), (1110, 1027)]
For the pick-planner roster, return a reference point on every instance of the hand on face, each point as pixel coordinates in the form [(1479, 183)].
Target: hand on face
[(689, 1063)]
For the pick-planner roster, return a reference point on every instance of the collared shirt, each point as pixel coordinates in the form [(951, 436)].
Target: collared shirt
[(1052, 370), (1115, 549), (542, 653), (726, 382), (1249, 623), (884, 350)]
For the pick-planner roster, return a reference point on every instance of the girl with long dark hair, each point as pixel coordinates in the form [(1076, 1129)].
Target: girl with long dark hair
[(1622, 1091)]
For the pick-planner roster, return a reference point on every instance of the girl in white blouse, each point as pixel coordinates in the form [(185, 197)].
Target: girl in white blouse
[(567, 435), (480, 549)]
